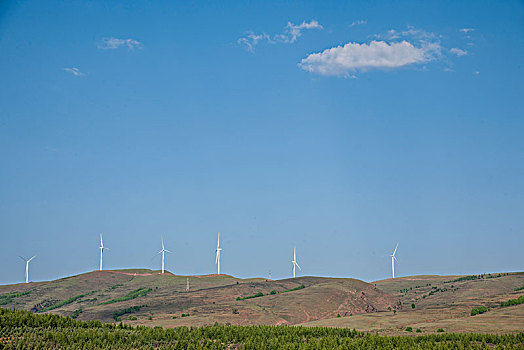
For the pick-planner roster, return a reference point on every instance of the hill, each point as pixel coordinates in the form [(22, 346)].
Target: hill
[(444, 302), (145, 297), (150, 298)]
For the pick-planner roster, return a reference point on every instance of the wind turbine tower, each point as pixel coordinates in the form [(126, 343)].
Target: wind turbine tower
[(393, 259), (163, 251), (27, 261), (217, 260), (294, 261), (101, 251)]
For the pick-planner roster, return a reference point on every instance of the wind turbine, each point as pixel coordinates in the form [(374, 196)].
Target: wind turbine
[(217, 260), (101, 251), (294, 261), (27, 261), (164, 250), (393, 259)]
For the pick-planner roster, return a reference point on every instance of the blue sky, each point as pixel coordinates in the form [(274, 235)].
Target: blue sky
[(339, 127)]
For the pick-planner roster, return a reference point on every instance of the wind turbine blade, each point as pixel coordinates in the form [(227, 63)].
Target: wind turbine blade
[(162, 244), (101, 242), (34, 256), (159, 252), (395, 249), (395, 259), (167, 251), (298, 266), (22, 258), (217, 257)]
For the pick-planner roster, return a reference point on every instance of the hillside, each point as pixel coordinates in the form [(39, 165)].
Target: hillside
[(444, 302), (147, 297)]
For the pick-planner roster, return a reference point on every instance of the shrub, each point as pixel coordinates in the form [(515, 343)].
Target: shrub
[(140, 292), (257, 295), (440, 330), (63, 302), (118, 313), (273, 292), (409, 329), (76, 313), (338, 315), (511, 302), (8, 298), (418, 330), (478, 310), (412, 306)]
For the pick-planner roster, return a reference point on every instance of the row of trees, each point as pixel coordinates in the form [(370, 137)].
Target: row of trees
[(24, 330)]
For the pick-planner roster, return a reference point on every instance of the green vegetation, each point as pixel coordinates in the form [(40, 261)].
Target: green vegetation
[(478, 310), (63, 302), (258, 295), (519, 288), (440, 330), (412, 306), (475, 277), (519, 300), (8, 298), (87, 300), (184, 315), (273, 292), (294, 289), (76, 313), (129, 310), (409, 329), (419, 330), (24, 330), (140, 292)]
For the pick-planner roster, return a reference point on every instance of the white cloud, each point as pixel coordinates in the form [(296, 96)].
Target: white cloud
[(458, 52), (75, 71), (410, 33), (476, 72), (342, 60), (290, 34), (251, 40), (295, 31), (360, 22), (115, 43), (466, 30)]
